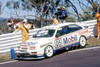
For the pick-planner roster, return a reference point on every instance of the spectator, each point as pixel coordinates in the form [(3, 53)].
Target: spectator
[(55, 21), (9, 25), (25, 30), (0, 30), (98, 24), (63, 15), (17, 24), (32, 26), (58, 13)]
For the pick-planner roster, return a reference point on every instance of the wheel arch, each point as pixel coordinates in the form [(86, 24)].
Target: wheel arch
[(83, 36)]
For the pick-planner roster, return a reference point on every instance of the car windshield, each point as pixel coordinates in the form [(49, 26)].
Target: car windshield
[(44, 33)]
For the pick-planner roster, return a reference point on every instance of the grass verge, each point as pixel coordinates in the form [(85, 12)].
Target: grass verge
[(5, 56), (93, 41)]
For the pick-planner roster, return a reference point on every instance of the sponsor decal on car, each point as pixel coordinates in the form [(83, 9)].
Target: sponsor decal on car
[(83, 32), (29, 43), (58, 43), (70, 39)]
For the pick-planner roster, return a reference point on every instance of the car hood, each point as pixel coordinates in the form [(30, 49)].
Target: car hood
[(38, 41)]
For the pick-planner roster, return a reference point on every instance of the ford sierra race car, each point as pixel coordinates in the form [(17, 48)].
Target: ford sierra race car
[(52, 38)]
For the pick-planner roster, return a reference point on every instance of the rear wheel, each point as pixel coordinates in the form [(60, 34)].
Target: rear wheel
[(82, 41), (48, 51)]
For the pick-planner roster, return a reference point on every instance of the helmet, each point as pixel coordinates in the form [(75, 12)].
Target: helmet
[(58, 7), (63, 7), (25, 21)]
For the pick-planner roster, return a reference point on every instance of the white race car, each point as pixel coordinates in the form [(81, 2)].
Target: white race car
[(51, 38)]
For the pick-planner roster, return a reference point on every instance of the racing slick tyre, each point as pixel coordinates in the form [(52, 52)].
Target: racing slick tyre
[(82, 41), (48, 52)]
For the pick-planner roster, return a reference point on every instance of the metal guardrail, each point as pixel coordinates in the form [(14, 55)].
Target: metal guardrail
[(7, 41), (92, 25)]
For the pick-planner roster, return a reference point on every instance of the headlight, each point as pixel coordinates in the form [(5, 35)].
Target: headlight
[(32, 48)]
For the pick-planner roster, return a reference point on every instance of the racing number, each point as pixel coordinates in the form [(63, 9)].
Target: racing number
[(58, 43)]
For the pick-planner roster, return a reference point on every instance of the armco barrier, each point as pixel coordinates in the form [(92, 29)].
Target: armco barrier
[(92, 25), (7, 41)]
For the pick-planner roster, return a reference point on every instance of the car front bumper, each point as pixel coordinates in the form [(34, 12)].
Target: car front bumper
[(27, 55)]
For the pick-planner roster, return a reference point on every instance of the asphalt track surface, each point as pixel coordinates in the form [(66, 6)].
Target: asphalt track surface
[(83, 58)]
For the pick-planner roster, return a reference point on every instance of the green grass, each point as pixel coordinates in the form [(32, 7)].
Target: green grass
[(1, 58), (5, 56)]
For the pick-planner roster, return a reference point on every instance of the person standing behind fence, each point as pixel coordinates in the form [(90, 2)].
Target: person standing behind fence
[(17, 24), (25, 30), (32, 26), (9, 25), (63, 15), (55, 21), (98, 24), (0, 30), (58, 13)]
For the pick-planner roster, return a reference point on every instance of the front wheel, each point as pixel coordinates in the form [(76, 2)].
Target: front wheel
[(48, 51), (82, 41)]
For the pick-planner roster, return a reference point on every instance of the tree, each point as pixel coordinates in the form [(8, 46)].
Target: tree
[(0, 7), (45, 9), (74, 8), (89, 9), (1, 10)]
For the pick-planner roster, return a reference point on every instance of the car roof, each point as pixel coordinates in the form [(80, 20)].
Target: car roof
[(55, 26)]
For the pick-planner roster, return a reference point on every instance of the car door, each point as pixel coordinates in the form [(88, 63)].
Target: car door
[(61, 33), (73, 37), (67, 36)]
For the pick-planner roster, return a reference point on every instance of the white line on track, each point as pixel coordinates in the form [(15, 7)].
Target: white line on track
[(85, 49), (68, 51), (9, 62)]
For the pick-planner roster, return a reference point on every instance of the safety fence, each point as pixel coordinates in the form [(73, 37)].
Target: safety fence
[(7, 41), (92, 25), (12, 40)]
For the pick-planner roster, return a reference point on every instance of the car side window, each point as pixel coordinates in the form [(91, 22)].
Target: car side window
[(62, 31), (74, 27)]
